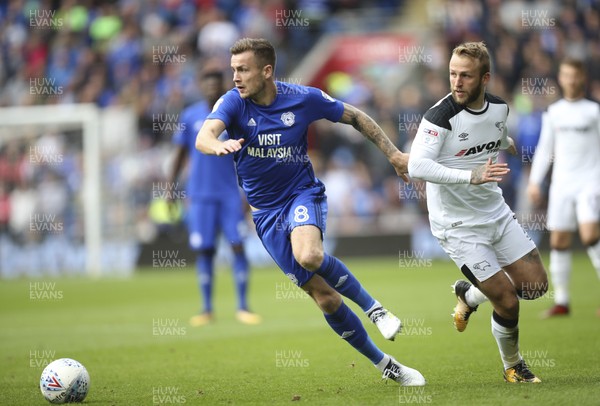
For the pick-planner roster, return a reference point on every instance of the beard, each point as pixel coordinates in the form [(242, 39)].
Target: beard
[(471, 96), (574, 92), (257, 92)]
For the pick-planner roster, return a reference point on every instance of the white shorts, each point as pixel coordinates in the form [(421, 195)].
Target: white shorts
[(481, 251), (566, 210)]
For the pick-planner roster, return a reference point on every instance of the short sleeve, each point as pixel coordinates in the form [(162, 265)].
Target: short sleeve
[(323, 105), (226, 108)]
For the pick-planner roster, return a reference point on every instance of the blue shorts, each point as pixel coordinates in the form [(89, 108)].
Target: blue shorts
[(307, 207), (206, 217)]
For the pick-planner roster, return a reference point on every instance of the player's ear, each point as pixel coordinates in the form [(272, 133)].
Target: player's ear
[(268, 71), (485, 78)]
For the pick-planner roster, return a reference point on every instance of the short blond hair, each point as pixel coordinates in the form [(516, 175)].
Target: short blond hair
[(475, 50)]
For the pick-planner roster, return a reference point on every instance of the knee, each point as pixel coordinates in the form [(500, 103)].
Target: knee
[(589, 233), (310, 259), (589, 241), (535, 288), (560, 245), (560, 241)]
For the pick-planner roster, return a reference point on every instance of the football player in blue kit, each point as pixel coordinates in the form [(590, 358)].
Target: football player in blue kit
[(214, 202), (267, 123)]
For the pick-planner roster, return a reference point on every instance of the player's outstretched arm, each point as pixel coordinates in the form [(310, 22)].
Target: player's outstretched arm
[(363, 123), (207, 140)]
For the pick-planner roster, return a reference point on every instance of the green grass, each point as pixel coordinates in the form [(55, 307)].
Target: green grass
[(107, 325)]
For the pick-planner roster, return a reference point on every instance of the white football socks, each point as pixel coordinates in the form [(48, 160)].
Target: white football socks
[(383, 363), (475, 297), (375, 306), (594, 253), (560, 271), (508, 343)]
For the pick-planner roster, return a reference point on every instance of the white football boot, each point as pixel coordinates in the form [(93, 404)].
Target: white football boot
[(402, 374), (388, 324)]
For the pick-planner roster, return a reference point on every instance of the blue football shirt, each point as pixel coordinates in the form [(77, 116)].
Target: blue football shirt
[(273, 161), (209, 176)]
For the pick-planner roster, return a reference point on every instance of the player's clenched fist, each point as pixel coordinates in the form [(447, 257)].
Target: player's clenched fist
[(229, 147)]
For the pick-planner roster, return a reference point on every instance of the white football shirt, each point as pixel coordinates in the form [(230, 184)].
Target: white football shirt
[(450, 142), (571, 137)]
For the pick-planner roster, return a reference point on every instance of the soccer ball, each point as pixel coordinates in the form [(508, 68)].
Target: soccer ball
[(64, 381)]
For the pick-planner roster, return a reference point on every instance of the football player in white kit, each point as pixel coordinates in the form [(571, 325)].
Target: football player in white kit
[(570, 136), (456, 151)]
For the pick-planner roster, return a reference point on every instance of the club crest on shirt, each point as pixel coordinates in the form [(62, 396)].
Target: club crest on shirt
[(430, 140), (480, 266), (500, 125), (288, 118)]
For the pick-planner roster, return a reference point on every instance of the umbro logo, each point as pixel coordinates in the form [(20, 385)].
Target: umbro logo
[(341, 281), (463, 136), (251, 122), (347, 334)]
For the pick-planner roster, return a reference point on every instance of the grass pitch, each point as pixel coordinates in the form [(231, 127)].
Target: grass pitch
[(133, 337)]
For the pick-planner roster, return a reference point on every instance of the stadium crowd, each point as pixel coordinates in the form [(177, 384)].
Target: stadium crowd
[(145, 54)]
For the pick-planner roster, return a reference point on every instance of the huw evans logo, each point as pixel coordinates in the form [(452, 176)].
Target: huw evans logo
[(537, 19), (167, 395), (290, 19), (41, 358), (45, 19), (167, 54), (45, 87)]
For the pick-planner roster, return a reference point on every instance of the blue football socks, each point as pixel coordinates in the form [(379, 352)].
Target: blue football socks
[(339, 277), (240, 275), (348, 326), (204, 269)]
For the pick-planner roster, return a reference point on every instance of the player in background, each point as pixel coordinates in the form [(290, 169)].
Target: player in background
[(456, 151), (267, 122), (570, 137), (214, 203)]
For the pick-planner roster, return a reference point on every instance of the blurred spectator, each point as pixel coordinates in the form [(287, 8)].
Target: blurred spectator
[(4, 207)]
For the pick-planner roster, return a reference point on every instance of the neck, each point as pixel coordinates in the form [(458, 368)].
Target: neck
[(573, 98), (267, 95), (477, 104)]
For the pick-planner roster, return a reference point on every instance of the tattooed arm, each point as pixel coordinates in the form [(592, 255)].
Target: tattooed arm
[(489, 172), (371, 130)]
